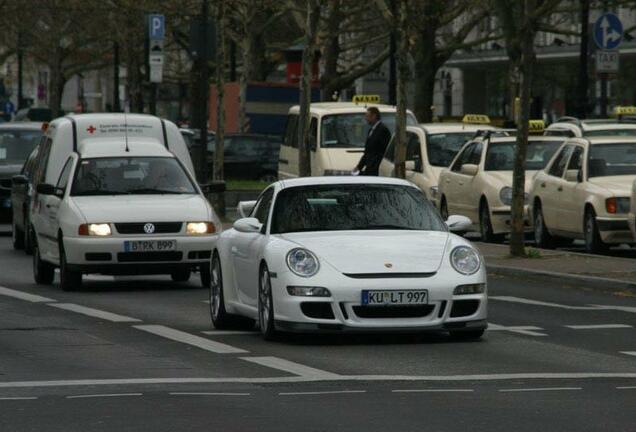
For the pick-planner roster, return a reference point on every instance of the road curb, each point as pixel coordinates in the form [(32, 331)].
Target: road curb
[(599, 283)]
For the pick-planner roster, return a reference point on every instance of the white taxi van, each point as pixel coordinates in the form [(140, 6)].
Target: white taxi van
[(338, 131), (478, 183), (584, 193), (116, 194), (430, 148)]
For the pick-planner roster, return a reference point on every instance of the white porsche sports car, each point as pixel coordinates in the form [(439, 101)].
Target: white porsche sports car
[(347, 254)]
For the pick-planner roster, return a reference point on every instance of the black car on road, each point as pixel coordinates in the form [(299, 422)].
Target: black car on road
[(21, 193)]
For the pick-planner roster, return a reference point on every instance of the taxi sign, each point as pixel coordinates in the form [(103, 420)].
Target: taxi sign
[(476, 119), (366, 99), (624, 110), (536, 126)]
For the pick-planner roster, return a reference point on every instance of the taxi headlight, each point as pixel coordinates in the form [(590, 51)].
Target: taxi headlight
[(95, 229), (465, 260), (505, 195), (199, 228), (302, 262)]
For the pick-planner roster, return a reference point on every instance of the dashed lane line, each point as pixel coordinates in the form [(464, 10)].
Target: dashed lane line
[(319, 377), (524, 330), (432, 391), (190, 339), (594, 307), (629, 353), (598, 326), (327, 392), (103, 395), (207, 394), (539, 389), (291, 367), (95, 313), (21, 295), (626, 388), (17, 398), (227, 332)]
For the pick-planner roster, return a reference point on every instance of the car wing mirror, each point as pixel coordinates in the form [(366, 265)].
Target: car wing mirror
[(244, 208), (469, 169), (45, 189), (573, 175), (248, 225), (409, 165), (20, 179), (458, 223)]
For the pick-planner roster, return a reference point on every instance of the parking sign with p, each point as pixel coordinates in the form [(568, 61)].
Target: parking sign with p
[(156, 27)]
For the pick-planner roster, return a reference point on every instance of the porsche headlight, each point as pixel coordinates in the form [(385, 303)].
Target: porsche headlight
[(465, 260), (302, 262)]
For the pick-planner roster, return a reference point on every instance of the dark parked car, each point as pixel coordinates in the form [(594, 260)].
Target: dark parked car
[(247, 156), (17, 141), (35, 115), (21, 193)]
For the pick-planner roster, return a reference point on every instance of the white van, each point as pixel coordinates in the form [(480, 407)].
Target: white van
[(116, 194), (338, 132)]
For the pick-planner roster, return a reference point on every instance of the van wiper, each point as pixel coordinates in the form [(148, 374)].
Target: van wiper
[(99, 192), (153, 191)]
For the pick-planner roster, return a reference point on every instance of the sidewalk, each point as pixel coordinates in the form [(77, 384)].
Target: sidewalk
[(594, 270)]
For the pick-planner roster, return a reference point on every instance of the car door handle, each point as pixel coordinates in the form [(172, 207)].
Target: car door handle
[(542, 185), (560, 188), (461, 183), (283, 161), (447, 180), (234, 250)]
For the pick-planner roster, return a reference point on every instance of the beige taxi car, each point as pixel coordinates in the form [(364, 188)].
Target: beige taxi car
[(478, 183), (622, 124), (584, 193), (631, 218), (430, 148)]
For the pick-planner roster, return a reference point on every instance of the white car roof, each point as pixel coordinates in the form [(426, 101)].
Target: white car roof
[(592, 125), (457, 127), (334, 180), (22, 125), (116, 147), (611, 140), (531, 138), (321, 108)]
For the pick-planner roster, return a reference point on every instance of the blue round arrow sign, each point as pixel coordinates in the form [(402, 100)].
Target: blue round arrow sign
[(608, 31)]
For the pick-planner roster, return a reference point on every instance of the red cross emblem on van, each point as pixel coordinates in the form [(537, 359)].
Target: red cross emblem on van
[(91, 129)]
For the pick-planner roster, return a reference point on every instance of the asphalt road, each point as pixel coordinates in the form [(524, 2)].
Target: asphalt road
[(131, 354)]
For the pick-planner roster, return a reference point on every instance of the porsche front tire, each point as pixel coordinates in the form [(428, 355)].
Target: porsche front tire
[(266, 305)]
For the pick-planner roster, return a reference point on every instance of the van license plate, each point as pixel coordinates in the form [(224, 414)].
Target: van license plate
[(150, 245), (397, 297)]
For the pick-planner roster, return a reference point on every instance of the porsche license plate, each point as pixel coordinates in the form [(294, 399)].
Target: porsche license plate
[(150, 245), (394, 297)]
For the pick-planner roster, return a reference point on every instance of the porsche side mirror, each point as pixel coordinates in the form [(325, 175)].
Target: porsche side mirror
[(248, 225), (45, 189), (469, 169), (244, 208), (458, 223)]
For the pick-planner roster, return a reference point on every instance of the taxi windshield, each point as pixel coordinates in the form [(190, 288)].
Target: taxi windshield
[(16, 145), (442, 147), (500, 156), (350, 130), (610, 132), (612, 160), (131, 176), (353, 207)]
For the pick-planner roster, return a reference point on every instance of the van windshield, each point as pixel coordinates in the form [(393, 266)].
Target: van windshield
[(16, 145), (131, 176), (350, 130)]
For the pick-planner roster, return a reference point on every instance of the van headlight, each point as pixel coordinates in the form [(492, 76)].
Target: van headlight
[(465, 260), (95, 229), (199, 228), (302, 262)]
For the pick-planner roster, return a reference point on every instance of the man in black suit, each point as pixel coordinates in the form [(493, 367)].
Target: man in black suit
[(377, 140)]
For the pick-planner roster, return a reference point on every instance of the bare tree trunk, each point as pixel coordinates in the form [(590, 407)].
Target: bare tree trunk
[(219, 141), (582, 85), (426, 69), (246, 54), (304, 155), (56, 84), (402, 78), (526, 69)]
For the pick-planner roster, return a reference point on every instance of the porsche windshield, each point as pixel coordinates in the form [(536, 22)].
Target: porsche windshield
[(339, 207), (132, 175)]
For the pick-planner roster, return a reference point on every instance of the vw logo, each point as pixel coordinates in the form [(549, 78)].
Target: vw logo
[(149, 228)]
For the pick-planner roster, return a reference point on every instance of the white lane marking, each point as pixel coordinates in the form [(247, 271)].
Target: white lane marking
[(514, 390), (24, 296), (524, 330), (626, 388), (630, 353), (297, 379), (291, 367), (190, 339), (433, 391), (618, 308), (95, 313), (227, 332), (206, 301), (207, 394), (598, 326), (513, 299), (105, 395), (10, 398), (320, 392)]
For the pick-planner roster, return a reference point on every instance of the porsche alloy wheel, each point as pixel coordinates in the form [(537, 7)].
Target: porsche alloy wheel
[(266, 306), (220, 317)]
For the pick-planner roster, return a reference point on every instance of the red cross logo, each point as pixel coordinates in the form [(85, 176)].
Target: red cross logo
[(91, 129)]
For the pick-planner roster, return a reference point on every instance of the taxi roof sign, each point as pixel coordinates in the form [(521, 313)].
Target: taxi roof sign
[(366, 99), (476, 119), (625, 110), (536, 126)]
